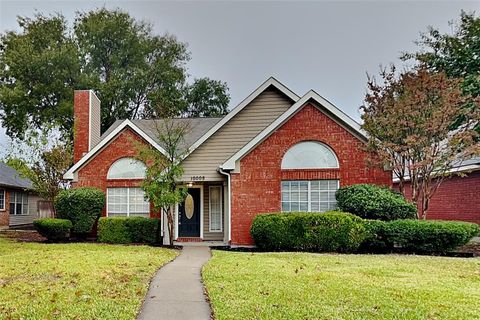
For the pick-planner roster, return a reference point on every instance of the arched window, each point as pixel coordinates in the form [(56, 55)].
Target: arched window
[(309, 155), (127, 168)]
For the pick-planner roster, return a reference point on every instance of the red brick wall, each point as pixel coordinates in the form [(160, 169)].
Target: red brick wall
[(81, 111), (257, 188), (5, 214), (457, 198), (94, 173)]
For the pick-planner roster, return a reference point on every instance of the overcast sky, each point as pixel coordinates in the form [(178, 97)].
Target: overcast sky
[(325, 46)]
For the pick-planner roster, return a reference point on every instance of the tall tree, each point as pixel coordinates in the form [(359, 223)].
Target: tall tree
[(408, 119), (134, 72), (207, 98), (457, 54), (38, 71)]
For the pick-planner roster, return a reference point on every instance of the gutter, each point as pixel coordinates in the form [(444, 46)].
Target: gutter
[(467, 168), (229, 215)]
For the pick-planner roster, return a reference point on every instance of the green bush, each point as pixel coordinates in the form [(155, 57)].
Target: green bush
[(373, 202), (53, 229), (126, 230), (82, 206), (377, 239), (430, 236), (319, 232)]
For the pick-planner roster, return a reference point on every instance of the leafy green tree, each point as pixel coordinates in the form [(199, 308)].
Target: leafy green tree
[(134, 72), (38, 71), (164, 171), (457, 54), (207, 98)]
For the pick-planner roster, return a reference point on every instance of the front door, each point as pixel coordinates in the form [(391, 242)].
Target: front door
[(189, 214)]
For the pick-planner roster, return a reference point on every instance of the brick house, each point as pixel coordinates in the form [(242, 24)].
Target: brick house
[(457, 198), (275, 151)]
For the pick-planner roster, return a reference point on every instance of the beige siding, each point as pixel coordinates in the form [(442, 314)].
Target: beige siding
[(96, 120), (249, 122), (207, 235), (16, 220)]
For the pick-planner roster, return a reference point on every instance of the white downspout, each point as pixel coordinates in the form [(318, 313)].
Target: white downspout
[(229, 213)]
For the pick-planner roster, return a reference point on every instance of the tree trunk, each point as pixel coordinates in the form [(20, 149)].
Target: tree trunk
[(170, 226)]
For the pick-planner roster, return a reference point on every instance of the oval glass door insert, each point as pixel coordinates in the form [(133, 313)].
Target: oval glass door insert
[(189, 206)]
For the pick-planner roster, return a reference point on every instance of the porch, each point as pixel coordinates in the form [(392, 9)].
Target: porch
[(201, 219)]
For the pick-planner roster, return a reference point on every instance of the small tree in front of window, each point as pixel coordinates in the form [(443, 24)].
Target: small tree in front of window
[(164, 171)]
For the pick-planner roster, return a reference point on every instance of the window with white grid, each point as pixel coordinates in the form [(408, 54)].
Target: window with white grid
[(215, 208), (127, 202), (18, 203), (309, 196)]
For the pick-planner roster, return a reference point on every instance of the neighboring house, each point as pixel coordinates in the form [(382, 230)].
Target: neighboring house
[(458, 197), (275, 151), (18, 205)]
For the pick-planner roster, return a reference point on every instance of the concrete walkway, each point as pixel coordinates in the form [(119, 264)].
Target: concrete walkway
[(176, 291)]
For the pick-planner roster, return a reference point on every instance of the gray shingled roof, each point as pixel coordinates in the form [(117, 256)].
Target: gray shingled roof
[(197, 127), (9, 177)]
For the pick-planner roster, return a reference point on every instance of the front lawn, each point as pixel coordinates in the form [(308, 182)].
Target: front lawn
[(75, 281), (328, 286)]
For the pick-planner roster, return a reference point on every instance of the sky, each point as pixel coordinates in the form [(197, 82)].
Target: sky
[(326, 46)]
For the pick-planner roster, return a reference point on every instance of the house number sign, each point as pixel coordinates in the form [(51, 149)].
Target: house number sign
[(197, 178)]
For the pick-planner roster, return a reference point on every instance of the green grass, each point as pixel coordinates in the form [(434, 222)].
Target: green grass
[(328, 286), (75, 281)]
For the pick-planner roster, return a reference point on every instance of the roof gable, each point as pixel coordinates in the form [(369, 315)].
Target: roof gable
[(109, 137), (264, 86), (327, 108)]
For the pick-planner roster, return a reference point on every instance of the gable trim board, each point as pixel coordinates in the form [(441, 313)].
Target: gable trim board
[(126, 123), (338, 116)]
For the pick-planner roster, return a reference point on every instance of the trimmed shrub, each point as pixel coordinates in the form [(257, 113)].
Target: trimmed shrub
[(377, 239), (54, 230), (318, 232), (430, 236), (373, 202), (82, 206), (126, 230)]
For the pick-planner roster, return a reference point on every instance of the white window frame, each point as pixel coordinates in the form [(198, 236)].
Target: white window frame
[(286, 165), (132, 161), (210, 209), (128, 203), (15, 202), (4, 196), (309, 194)]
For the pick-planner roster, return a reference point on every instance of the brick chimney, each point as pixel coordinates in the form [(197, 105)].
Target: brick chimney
[(86, 116)]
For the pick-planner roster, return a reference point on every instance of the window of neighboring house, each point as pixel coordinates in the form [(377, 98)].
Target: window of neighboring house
[(309, 155), (215, 208), (309, 196), (127, 168), (2, 199), (18, 203), (127, 202)]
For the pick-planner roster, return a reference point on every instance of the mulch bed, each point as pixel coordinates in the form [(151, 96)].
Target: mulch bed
[(22, 235)]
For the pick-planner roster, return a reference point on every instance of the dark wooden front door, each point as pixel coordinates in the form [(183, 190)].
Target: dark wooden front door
[(189, 214)]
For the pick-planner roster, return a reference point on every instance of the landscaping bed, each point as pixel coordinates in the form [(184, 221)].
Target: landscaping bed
[(331, 286), (75, 280)]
